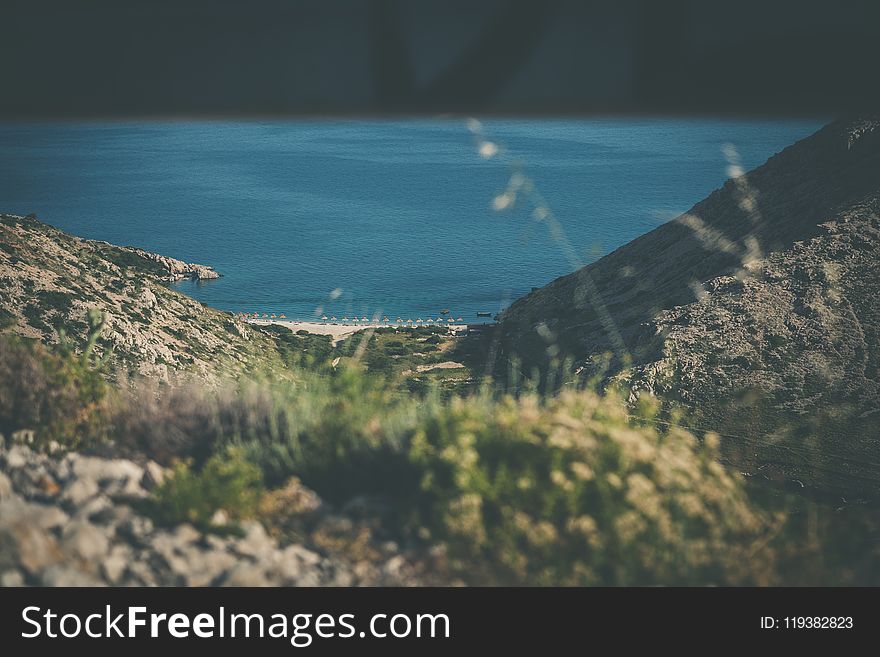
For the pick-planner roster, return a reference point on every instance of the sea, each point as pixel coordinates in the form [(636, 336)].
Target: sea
[(375, 218)]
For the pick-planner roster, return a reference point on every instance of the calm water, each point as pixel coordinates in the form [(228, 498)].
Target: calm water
[(396, 217)]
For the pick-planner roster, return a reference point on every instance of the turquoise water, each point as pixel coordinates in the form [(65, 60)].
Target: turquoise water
[(367, 217)]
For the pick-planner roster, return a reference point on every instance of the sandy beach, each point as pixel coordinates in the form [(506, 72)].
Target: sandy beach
[(339, 332)]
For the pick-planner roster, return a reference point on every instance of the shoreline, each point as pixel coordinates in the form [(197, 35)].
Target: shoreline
[(339, 332)]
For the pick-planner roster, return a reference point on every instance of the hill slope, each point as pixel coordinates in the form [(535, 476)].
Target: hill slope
[(50, 280), (757, 309)]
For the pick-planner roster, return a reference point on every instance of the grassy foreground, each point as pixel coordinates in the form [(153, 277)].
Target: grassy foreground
[(575, 489)]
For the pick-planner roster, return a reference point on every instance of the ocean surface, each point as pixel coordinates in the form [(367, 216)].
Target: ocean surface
[(370, 218)]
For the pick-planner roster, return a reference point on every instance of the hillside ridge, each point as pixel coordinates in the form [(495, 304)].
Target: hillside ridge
[(755, 310), (51, 279)]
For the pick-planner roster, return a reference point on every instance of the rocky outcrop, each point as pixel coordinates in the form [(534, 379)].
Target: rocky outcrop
[(50, 280), (73, 520), (177, 269)]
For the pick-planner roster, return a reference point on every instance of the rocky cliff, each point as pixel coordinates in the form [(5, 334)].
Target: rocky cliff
[(756, 310), (178, 270), (49, 280)]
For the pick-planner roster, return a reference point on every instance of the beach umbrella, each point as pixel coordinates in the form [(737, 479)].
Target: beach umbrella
[(364, 319), (283, 316), (430, 320), (345, 319), (333, 319), (323, 318), (265, 315), (419, 320), (273, 315), (409, 321), (385, 319), (458, 320), (450, 320), (398, 320)]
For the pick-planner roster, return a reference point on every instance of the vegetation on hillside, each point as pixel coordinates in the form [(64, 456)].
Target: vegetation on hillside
[(575, 489)]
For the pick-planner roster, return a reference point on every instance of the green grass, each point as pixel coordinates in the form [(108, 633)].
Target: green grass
[(227, 482)]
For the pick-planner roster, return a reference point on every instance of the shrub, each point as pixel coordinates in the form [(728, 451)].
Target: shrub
[(227, 481), (575, 493), (7, 319), (55, 300), (59, 395), (571, 490)]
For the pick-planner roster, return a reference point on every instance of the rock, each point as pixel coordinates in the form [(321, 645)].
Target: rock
[(177, 269), (208, 568), (115, 563), (118, 476), (85, 541), (297, 566), (394, 567), (215, 542), (343, 577), (246, 574), (103, 539), (178, 551), (140, 573), (154, 475), (48, 487), (24, 436), (101, 512), (147, 298), (65, 575), (95, 506), (288, 565), (306, 556), (18, 456), (22, 542), (14, 510), (135, 528), (187, 561), (5, 486), (220, 517), (256, 541), (11, 579), (185, 534), (79, 491)]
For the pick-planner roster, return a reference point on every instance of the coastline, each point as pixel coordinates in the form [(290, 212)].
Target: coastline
[(339, 332)]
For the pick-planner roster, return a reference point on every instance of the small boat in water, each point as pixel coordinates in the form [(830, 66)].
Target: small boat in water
[(481, 314)]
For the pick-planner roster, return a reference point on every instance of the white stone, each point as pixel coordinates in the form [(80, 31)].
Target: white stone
[(85, 540)]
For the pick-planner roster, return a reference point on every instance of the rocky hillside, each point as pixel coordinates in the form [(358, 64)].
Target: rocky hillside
[(757, 310), (50, 280)]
